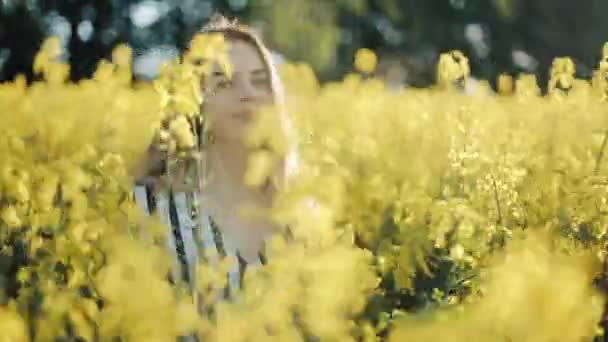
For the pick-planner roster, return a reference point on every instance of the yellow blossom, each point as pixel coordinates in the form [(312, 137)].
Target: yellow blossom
[(366, 61), (9, 217)]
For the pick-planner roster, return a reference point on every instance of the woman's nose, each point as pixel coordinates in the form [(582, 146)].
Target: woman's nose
[(248, 92)]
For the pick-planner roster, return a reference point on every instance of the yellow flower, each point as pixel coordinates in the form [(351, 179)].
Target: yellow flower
[(78, 208), (35, 244), (82, 327), (207, 49), (457, 252), (453, 67), (505, 84), (181, 130), (47, 190), (112, 163), (77, 231), (49, 53), (76, 277), (12, 326), (17, 144), (121, 55), (18, 190), (366, 61), (24, 275), (89, 308), (261, 164), (527, 86), (58, 73), (9, 217), (186, 105), (104, 71)]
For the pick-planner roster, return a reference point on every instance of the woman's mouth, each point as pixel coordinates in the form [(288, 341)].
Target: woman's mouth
[(243, 115)]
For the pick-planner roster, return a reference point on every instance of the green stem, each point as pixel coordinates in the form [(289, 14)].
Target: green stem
[(600, 155)]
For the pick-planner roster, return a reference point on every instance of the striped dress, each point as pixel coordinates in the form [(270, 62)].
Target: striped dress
[(190, 235)]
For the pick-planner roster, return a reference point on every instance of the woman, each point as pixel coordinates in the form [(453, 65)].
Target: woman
[(230, 108)]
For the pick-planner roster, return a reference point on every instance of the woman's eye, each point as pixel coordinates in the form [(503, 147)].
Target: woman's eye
[(224, 83), (260, 82)]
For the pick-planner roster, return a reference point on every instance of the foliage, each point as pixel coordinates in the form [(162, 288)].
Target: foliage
[(434, 182), (435, 214)]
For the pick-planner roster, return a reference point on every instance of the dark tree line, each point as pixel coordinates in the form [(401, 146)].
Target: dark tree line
[(496, 34)]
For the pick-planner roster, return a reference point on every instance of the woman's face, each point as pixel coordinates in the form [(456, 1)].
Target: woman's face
[(230, 104)]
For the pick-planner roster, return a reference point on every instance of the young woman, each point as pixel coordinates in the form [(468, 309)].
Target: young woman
[(230, 107)]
